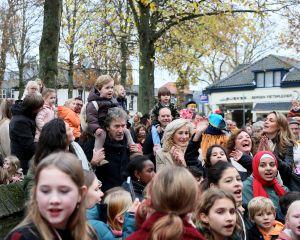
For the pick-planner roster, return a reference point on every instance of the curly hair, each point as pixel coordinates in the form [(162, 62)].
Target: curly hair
[(231, 141)]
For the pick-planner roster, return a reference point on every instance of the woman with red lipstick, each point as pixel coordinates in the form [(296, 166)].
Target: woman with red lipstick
[(175, 140), (279, 139), (263, 181)]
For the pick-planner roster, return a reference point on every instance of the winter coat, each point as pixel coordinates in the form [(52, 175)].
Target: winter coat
[(103, 231), (254, 233), (158, 106), (189, 232), (43, 116), (137, 188), (248, 195), (163, 159), (148, 146), (4, 137), (122, 102), (70, 117), (112, 174), (22, 132), (95, 119)]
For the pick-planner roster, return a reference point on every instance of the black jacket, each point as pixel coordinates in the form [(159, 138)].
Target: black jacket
[(21, 133), (113, 174), (148, 146), (254, 234)]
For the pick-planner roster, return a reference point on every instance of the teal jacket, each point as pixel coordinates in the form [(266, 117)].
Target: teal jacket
[(102, 229), (248, 195)]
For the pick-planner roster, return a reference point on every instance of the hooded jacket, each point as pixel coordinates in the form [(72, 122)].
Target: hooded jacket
[(70, 117)]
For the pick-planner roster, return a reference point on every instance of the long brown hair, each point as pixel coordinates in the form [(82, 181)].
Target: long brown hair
[(77, 224), (173, 192)]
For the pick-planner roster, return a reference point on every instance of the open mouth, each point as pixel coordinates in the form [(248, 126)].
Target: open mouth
[(246, 145), (229, 227), (238, 191), (54, 212)]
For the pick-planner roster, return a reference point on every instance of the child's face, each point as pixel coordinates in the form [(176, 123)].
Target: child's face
[(94, 194), (217, 154), (7, 165), (56, 197), (165, 99), (264, 219), (121, 92), (50, 100), (32, 90), (221, 218), (293, 222), (107, 90), (295, 106)]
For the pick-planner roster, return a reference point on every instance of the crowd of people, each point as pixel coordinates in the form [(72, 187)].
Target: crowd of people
[(91, 171)]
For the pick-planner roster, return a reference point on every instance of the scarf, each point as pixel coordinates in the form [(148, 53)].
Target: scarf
[(258, 182)]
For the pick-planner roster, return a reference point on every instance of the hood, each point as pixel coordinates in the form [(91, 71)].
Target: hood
[(63, 111), (94, 95)]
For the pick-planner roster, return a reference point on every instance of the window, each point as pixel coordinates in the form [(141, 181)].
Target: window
[(268, 79)]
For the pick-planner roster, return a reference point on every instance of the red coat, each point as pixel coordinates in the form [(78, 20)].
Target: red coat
[(190, 233)]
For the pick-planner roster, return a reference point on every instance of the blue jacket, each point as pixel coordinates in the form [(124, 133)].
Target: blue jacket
[(102, 229)]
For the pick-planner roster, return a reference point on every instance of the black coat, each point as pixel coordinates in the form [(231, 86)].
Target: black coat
[(113, 174), (21, 133), (254, 234), (148, 146)]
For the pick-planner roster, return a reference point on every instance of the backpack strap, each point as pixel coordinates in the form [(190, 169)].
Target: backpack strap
[(95, 105)]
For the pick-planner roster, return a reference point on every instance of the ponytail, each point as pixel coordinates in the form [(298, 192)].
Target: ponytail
[(168, 227)]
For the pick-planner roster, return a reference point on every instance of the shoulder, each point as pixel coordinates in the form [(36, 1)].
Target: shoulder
[(26, 232)]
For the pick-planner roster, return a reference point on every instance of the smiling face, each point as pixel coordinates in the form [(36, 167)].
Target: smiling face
[(270, 124), (221, 218), (182, 136), (264, 219), (231, 182), (217, 154), (56, 197), (243, 142), (267, 169), (107, 90)]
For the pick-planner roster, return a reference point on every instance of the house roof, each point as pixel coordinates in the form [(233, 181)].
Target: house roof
[(272, 106), (244, 75), (173, 89)]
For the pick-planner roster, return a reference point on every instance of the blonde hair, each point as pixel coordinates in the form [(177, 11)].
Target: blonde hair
[(14, 162), (260, 204), (170, 130), (291, 208), (47, 92), (101, 80), (30, 84), (284, 136), (118, 202), (77, 224), (5, 108), (208, 199), (68, 102), (173, 191), (117, 89)]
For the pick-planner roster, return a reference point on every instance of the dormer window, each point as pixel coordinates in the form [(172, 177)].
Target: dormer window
[(268, 79)]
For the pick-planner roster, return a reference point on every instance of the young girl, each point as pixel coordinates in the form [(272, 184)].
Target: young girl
[(13, 166), (292, 230), (172, 196), (217, 215), (32, 88), (47, 112), (120, 95), (56, 209), (94, 195), (103, 95)]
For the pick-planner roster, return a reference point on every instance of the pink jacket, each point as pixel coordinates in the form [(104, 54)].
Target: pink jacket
[(284, 235), (44, 116)]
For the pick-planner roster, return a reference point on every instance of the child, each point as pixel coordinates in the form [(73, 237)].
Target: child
[(164, 97), (57, 207), (291, 231), (13, 166), (120, 95), (294, 111), (32, 88), (262, 213), (103, 95), (217, 215), (47, 112)]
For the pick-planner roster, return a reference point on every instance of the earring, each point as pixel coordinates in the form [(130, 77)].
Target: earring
[(77, 205), (139, 179)]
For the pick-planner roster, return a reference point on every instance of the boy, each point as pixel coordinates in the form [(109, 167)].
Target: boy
[(262, 213), (164, 97)]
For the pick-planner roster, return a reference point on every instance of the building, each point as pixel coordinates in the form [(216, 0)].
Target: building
[(253, 90)]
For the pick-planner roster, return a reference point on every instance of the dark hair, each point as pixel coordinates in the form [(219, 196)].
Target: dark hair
[(53, 138), (145, 118), (78, 98), (32, 103), (209, 152), (196, 172), (163, 91), (231, 140), (286, 200), (136, 164), (215, 173)]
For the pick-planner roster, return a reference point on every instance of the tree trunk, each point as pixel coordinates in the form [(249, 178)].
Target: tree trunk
[(50, 42), (70, 72), (124, 57), (146, 71)]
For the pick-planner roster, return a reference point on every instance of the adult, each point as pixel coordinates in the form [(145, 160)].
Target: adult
[(5, 117), (140, 133), (68, 114), (263, 181), (191, 106), (116, 149), (22, 128), (141, 171), (78, 105), (240, 149), (31, 88), (164, 118), (175, 140), (279, 139)]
